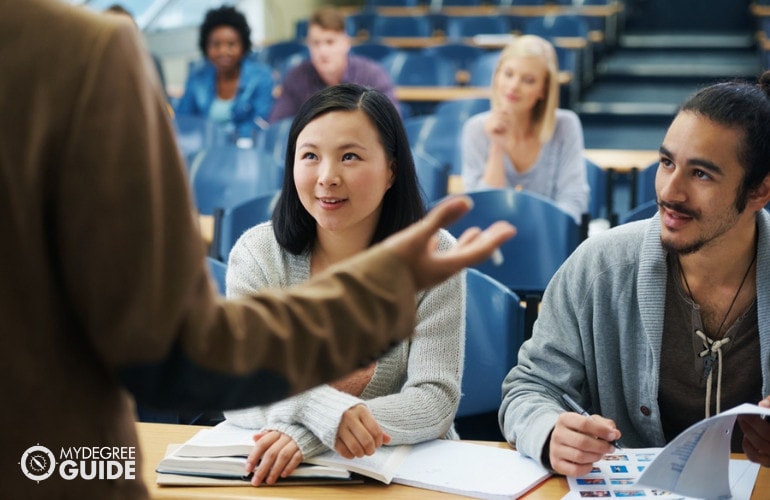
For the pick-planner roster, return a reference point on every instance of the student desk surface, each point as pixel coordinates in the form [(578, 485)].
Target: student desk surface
[(154, 438)]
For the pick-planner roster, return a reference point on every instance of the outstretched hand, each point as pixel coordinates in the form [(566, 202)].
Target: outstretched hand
[(417, 244)]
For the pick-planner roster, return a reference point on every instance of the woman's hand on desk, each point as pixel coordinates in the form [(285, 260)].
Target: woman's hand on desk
[(756, 436), (274, 455), (359, 433)]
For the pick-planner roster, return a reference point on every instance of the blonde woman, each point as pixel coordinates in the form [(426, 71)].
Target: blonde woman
[(525, 140)]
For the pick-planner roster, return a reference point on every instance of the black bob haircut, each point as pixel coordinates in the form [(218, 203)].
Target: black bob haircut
[(293, 226)]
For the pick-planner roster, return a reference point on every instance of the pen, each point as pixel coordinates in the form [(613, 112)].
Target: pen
[(578, 409)]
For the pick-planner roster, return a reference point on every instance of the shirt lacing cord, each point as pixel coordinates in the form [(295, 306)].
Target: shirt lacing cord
[(712, 347)]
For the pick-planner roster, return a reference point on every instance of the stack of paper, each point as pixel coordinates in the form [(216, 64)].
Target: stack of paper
[(696, 464)]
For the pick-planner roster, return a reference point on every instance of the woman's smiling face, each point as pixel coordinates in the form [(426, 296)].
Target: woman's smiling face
[(341, 172)]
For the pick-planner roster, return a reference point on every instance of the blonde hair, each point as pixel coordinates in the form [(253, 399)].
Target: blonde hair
[(544, 112)]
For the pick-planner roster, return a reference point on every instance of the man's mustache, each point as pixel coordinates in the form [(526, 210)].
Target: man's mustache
[(678, 207)]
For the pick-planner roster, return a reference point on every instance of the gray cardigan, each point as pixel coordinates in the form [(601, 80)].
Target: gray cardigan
[(599, 334), (415, 390)]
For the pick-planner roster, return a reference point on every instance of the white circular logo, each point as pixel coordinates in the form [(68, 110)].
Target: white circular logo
[(38, 463)]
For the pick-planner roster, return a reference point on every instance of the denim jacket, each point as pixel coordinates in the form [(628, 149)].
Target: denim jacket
[(253, 99)]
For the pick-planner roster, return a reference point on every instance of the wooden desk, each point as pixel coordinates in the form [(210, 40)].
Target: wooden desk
[(450, 92), (206, 226), (456, 185), (759, 10), (429, 94), (762, 40), (154, 438), (412, 42)]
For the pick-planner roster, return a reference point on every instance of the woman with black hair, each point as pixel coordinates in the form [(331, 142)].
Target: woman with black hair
[(350, 182), (229, 88)]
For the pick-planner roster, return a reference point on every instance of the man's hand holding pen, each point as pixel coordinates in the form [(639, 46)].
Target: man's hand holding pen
[(578, 441)]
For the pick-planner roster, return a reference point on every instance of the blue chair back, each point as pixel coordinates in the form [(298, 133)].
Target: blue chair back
[(460, 54), (218, 271), (645, 184), (195, 133), (360, 24), (439, 134), (444, 138), (230, 223), (460, 3), (413, 126), (300, 29), (432, 176), (494, 331), (459, 27), (640, 212), (273, 139), (597, 180), (373, 50), (568, 60), (401, 26), (373, 4), (545, 236), (551, 26), (440, 139), (227, 175), (419, 69), (275, 54), (460, 110), (483, 69)]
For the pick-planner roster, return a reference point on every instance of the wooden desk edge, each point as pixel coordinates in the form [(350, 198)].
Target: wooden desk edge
[(154, 439), (622, 160)]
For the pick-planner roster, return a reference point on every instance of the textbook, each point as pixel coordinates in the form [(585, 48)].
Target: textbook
[(220, 453), (695, 464), (231, 468), (458, 467)]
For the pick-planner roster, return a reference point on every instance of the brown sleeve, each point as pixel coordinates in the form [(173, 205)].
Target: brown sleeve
[(132, 264)]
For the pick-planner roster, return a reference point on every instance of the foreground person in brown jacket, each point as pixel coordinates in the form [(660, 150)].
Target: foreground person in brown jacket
[(103, 284)]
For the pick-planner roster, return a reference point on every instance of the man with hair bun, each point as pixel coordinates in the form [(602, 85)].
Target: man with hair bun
[(657, 324)]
